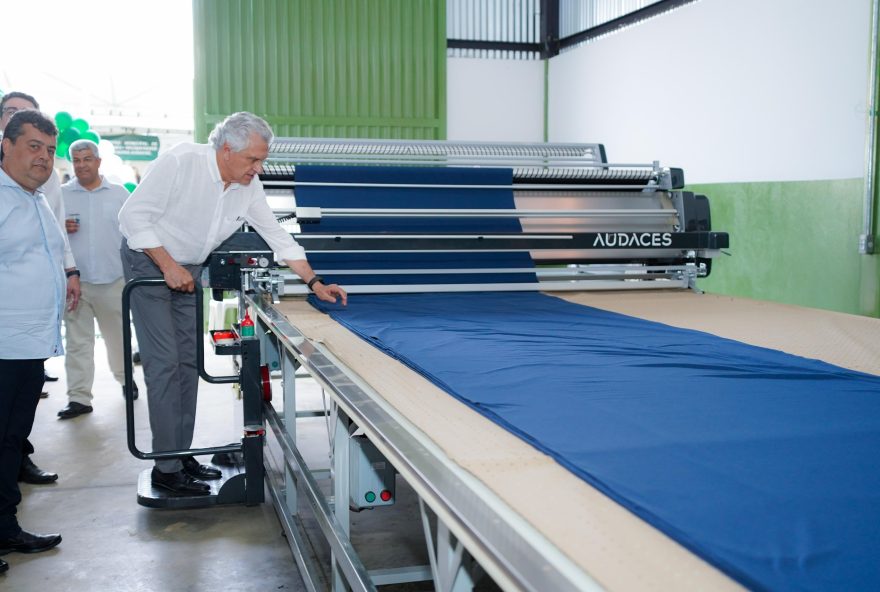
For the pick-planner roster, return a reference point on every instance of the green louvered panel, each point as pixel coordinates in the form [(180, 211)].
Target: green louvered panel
[(323, 68)]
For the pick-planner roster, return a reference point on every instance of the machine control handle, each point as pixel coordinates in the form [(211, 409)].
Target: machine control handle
[(129, 371)]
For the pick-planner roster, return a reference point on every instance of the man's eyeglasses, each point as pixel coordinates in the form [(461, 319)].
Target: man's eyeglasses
[(10, 110)]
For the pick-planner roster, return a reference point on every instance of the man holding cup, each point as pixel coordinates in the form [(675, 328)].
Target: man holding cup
[(93, 205)]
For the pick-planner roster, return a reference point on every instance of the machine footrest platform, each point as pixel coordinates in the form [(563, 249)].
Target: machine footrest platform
[(228, 489)]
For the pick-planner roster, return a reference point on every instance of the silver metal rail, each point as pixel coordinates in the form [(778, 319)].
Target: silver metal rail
[(528, 160), (519, 187), (658, 282), (415, 148), (866, 239), (349, 561), (477, 213), (574, 273), (595, 278), (278, 166)]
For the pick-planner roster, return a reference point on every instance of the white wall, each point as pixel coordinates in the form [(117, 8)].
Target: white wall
[(495, 100), (744, 90)]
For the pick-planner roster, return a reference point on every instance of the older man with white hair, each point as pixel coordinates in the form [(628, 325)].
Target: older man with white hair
[(92, 225), (191, 199)]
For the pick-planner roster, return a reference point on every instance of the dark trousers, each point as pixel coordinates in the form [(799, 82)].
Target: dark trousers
[(20, 384)]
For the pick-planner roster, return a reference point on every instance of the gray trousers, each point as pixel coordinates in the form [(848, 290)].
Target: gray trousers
[(165, 321)]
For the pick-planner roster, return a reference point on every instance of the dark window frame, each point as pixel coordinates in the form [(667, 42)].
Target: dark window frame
[(551, 44)]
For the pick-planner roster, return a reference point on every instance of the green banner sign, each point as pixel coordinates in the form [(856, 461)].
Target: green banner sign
[(132, 147)]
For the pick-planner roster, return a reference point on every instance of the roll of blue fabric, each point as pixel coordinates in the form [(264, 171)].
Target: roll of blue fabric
[(346, 191)]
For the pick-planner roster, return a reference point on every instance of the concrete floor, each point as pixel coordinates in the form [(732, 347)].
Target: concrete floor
[(112, 543)]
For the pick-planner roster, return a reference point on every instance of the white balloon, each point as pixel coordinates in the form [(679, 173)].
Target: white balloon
[(106, 148), (115, 170)]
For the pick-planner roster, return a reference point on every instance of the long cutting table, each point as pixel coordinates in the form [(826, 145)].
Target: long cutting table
[(615, 548)]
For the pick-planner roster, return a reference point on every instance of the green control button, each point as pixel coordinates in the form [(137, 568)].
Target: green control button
[(370, 497)]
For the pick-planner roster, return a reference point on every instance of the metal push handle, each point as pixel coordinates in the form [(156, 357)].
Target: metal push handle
[(129, 373)]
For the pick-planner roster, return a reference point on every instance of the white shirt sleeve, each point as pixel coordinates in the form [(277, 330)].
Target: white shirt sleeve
[(147, 203), (52, 190), (259, 215)]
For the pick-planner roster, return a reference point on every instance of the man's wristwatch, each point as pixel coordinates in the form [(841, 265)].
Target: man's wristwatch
[(313, 281), (72, 272)]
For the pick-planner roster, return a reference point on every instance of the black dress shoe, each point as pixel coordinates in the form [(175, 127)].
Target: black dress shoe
[(48, 378), (74, 409), (179, 483), (134, 390), (228, 459), (31, 473), (3, 566), (27, 542), (198, 471)]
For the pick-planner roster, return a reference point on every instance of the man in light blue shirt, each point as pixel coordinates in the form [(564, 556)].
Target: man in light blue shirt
[(92, 224), (33, 290), (11, 103)]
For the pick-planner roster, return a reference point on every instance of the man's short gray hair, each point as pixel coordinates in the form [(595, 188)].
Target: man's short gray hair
[(84, 145), (236, 131)]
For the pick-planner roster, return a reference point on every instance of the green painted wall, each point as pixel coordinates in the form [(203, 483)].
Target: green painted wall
[(323, 68), (794, 242)]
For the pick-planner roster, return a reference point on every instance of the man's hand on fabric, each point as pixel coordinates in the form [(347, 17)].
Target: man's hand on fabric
[(329, 293)]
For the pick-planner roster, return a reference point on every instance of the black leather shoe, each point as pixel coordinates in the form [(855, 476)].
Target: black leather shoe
[(31, 473), (74, 409), (134, 390), (179, 483), (198, 471), (3, 566), (27, 542), (228, 459), (49, 378)]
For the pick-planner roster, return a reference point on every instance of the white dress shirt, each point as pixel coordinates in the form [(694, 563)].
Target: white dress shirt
[(96, 244), (181, 205), (52, 190)]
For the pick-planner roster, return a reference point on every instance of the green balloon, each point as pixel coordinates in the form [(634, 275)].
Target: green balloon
[(63, 119), (61, 150), (69, 136), (130, 186), (91, 135), (80, 124)]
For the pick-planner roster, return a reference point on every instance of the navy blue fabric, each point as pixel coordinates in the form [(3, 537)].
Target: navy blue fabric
[(420, 261), (413, 198), (765, 464)]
